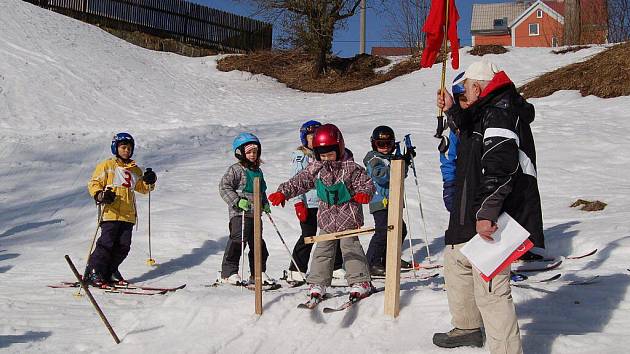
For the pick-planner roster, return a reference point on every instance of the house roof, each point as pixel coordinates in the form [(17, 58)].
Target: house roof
[(542, 5), (557, 6), (483, 15)]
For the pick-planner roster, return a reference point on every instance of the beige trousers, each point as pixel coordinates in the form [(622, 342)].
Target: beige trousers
[(323, 261), (475, 303)]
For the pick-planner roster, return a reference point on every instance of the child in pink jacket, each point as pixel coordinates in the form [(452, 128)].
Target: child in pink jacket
[(342, 187)]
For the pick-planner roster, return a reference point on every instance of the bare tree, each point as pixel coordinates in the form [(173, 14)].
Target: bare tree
[(310, 24), (618, 20), (405, 20), (572, 22)]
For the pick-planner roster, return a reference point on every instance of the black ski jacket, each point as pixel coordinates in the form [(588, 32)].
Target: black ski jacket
[(496, 163)]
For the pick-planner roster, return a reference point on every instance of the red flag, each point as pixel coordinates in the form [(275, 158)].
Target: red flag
[(434, 28)]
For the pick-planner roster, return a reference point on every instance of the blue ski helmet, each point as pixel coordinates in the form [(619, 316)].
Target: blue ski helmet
[(120, 137), (243, 139), (458, 84), (308, 128)]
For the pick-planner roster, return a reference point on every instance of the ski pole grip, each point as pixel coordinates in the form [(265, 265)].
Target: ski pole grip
[(440, 127)]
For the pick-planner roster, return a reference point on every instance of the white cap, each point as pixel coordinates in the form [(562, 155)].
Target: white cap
[(481, 70)]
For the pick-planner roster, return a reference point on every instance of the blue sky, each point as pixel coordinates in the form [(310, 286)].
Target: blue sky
[(347, 41)]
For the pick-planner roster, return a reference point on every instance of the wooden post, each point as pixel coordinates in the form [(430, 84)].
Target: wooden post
[(258, 245), (89, 294), (338, 235), (394, 239)]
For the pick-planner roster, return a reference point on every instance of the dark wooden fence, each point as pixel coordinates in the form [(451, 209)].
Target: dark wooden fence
[(177, 19)]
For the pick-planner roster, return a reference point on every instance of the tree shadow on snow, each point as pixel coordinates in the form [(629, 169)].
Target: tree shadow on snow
[(572, 309), (420, 249), (4, 257), (28, 226), (30, 336), (186, 261), (412, 288), (559, 238)]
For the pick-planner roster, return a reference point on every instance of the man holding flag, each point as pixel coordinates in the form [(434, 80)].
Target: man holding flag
[(491, 178)]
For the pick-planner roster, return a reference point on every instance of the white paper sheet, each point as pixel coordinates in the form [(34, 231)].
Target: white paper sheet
[(487, 256)]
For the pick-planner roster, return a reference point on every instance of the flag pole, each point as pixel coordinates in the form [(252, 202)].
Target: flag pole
[(440, 117)]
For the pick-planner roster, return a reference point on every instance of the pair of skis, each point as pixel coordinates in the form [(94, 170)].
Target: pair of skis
[(552, 279), (314, 301), (247, 285), (127, 289), (547, 264)]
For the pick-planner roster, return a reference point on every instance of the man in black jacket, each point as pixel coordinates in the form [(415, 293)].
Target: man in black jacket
[(495, 173)]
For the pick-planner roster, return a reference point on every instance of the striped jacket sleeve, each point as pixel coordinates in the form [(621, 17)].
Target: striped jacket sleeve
[(299, 184), (229, 185), (499, 163)]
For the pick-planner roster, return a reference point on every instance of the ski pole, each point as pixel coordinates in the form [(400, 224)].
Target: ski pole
[(415, 176), (286, 247), (413, 262), (242, 246), (150, 261), (101, 211), (89, 294)]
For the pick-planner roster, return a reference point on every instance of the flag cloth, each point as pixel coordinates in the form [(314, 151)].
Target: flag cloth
[(434, 29)]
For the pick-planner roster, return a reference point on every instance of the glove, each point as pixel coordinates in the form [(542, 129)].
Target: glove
[(301, 211), (411, 151), (409, 155), (105, 197), (149, 176), (267, 208), (244, 204), (361, 198), (277, 198), (448, 194)]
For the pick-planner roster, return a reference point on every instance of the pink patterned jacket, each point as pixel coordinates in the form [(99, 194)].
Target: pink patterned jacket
[(333, 218)]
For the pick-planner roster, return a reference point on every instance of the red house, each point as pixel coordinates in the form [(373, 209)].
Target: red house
[(535, 23)]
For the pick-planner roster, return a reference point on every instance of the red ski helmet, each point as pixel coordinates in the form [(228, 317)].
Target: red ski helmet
[(328, 138)]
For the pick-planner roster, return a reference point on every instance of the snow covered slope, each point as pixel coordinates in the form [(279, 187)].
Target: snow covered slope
[(66, 87)]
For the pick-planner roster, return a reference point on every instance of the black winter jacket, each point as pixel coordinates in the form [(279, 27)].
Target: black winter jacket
[(496, 163)]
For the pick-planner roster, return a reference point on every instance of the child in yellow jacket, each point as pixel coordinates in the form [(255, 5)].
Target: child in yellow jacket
[(112, 186)]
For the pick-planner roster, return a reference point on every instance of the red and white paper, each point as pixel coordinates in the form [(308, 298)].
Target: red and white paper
[(509, 244)]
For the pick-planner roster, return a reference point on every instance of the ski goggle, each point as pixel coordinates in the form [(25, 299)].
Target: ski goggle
[(384, 143), (310, 129)]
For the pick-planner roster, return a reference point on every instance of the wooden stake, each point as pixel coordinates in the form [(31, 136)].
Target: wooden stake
[(338, 235), (89, 294), (394, 239), (258, 245)]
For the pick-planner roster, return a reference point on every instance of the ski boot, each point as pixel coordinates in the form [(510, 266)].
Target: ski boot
[(339, 273), (404, 265), (361, 290), (316, 291), (233, 279), (95, 279), (377, 270), (267, 280), (293, 278), (117, 279)]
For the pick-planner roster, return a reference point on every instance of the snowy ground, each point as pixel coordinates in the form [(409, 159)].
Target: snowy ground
[(66, 87)]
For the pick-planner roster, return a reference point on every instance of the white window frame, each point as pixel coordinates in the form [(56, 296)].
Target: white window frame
[(529, 27), (554, 41), (539, 13)]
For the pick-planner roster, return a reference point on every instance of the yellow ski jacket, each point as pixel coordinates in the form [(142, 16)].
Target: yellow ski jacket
[(124, 178)]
